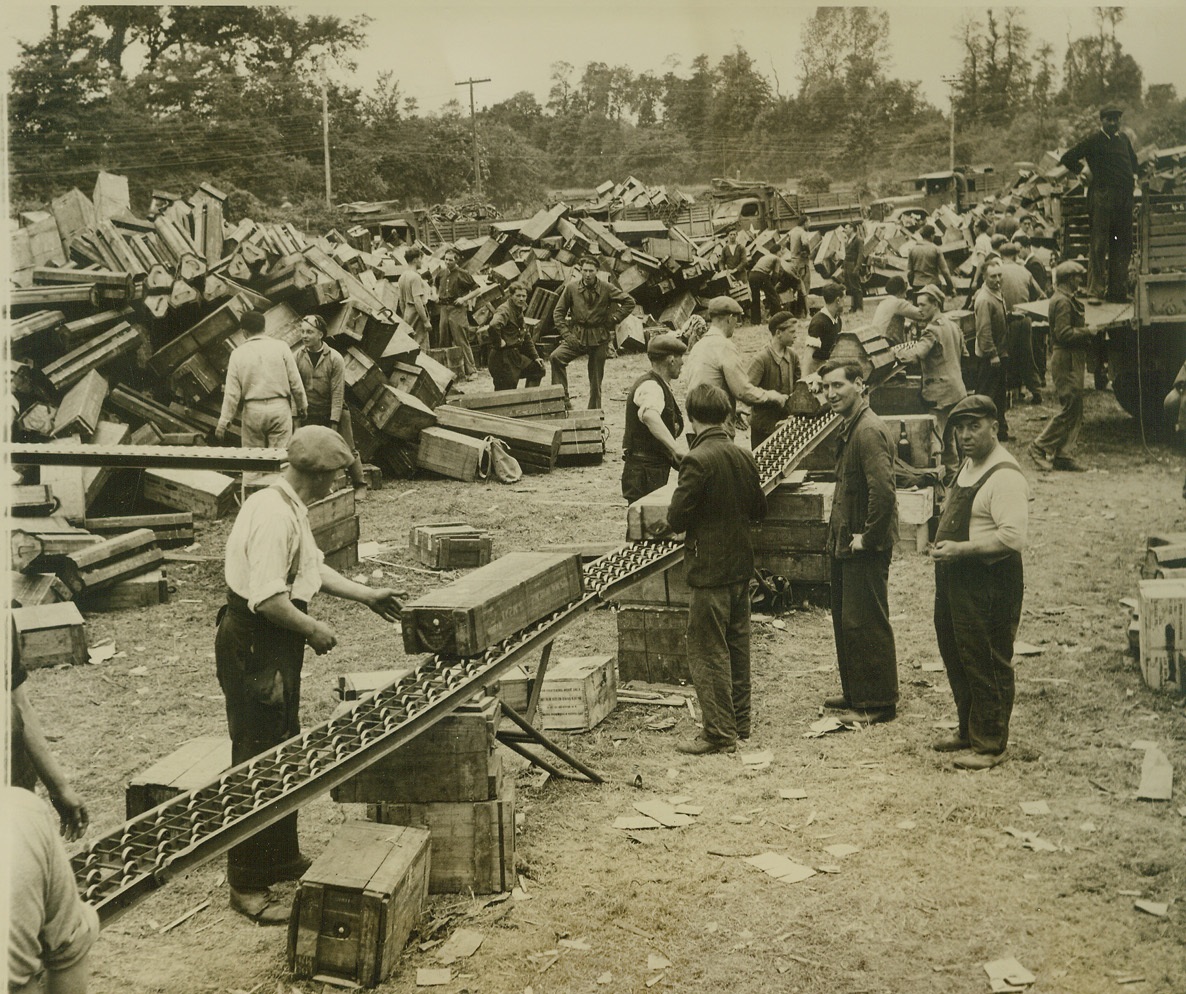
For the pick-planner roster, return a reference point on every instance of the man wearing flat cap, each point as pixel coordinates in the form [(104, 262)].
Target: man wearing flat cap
[(938, 350), (715, 360), (979, 585), (262, 378), (1113, 163), (775, 368), (654, 439), (273, 569), (1071, 341)]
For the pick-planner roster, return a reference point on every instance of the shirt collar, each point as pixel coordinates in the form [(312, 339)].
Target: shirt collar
[(714, 431), (285, 488), (847, 426)]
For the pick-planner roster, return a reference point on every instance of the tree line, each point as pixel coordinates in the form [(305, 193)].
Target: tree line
[(174, 95)]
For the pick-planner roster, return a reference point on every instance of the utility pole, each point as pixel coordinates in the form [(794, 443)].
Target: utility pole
[(951, 81), (473, 121), (329, 201)]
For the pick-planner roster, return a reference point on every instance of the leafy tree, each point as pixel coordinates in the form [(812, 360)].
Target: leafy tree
[(1097, 70)]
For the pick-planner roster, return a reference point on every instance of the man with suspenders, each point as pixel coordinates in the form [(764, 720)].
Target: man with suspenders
[(979, 584)]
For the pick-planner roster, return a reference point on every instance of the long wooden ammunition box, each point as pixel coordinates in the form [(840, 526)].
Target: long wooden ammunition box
[(652, 644), (357, 903), (108, 562), (669, 588), (171, 530), (535, 444), (34, 589), (338, 535), (582, 438), (146, 590), (80, 409), (92, 354), (526, 402), (203, 492), (49, 635), (492, 602), (455, 760), (452, 454), (31, 500), (193, 765), (473, 843)]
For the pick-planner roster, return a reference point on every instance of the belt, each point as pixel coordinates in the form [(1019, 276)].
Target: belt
[(261, 400)]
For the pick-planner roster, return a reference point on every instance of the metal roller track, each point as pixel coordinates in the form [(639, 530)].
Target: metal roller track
[(145, 456), (127, 864)]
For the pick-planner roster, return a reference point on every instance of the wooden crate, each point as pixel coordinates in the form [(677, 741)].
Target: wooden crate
[(652, 644), (525, 402), (473, 843), (171, 530), (195, 764), (333, 508), (203, 492), (535, 444), (647, 516), (455, 760), (79, 411), (916, 508), (33, 589), (355, 906), (147, 590), (451, 454), (452, 358), (578, 692), (808, 501), (450, 545), (669, 588), (795, 565), (49, 635), (398, 414), (582, 438), (921, 434), (418, 381), (343, 558), (363, 378), (494, 601), (31, 500), (1163, 633), (110, 561), (898, 395)]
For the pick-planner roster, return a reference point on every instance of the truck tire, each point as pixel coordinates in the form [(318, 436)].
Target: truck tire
[(1143, 370)]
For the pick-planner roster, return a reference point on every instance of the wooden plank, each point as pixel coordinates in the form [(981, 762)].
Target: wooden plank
[(203, 492), (194, 764), (171, 530), (540, 438)]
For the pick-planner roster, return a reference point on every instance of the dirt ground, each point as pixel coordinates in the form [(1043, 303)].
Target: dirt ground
[(936, 886)]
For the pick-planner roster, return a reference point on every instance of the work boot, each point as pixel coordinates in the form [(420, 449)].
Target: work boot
[(954, 744), (1068, 465), (979, 760), (867, 716), (840, 703), (260, 906), (1041, 460), (700, 746)]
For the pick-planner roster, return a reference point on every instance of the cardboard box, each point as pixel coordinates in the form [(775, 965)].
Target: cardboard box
[(357, 903)]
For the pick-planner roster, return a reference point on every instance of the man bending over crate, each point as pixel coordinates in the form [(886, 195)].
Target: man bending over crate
[(718, 497), (273, 569)]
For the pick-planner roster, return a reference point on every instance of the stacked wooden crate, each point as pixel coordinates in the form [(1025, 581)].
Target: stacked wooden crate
[(335, 527), (1162, 610), (449, 779), (792, 541), (583, 435), (652, 620), (450, 545)]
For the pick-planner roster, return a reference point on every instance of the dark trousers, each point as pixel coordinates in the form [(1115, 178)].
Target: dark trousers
[(762, 285), (508, 365), (569, 349), (718, 659), (1111, 242), (865, 649), (1023, 366), (992, 382), (1040, 343), (643, 476), (977, 610), (259, 671)]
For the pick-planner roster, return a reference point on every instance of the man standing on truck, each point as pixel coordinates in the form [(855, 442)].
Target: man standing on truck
[(1113, 164)]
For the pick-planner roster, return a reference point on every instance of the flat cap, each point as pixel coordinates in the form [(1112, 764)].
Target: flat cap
[(662, 346), (975, 405), (1069, 268), (932, 291), (1110, 112), (724, 305), (780, 320), (317, 449), (252, 322)]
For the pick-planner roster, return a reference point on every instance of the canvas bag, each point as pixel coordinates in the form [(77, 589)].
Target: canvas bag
[(504, 467)]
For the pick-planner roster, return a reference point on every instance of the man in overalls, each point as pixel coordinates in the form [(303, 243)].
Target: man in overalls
[(979, 584), (273, 569)]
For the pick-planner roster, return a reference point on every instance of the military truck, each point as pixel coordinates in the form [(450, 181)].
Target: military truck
[(750, 204)]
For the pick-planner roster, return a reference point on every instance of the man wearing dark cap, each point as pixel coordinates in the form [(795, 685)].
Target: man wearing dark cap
[(775, 368), (939, 349), (586, 314), (979, 585), (263, 379), (273, 569), (654, 439), (1113, 163), (715, 360), (1071, 341)]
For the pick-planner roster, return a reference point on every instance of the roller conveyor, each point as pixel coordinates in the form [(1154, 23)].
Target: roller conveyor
[(145, 456), (127, 864)]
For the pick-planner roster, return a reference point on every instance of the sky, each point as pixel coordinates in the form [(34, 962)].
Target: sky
[(430, 46)]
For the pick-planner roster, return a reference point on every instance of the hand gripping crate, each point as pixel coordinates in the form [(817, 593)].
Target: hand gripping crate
[(356, 905)]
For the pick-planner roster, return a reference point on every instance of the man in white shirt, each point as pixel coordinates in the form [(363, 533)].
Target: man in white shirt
[(715, 360), (411, 292), (890, 317), (273, 569), (654, 439), (261, 378), (979, 585)]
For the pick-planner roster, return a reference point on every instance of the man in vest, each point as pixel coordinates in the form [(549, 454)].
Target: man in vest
[(654, 439), (979, 585)]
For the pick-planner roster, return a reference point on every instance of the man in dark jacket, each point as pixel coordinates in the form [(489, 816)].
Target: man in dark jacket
[(1113, 163), (654, 439), (512, 350), (718, 497), (861, 543)]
